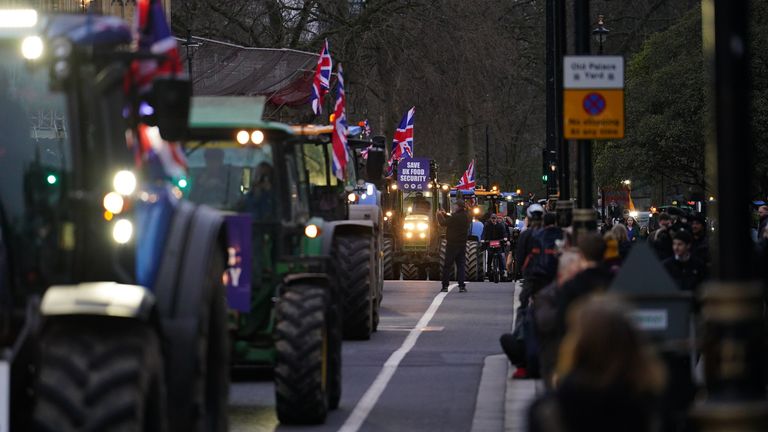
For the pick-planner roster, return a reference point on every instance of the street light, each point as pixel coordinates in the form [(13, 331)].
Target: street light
[(600, 33), (627, 182)]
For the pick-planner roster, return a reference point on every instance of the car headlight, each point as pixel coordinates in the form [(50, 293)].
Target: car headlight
[(422, 226)]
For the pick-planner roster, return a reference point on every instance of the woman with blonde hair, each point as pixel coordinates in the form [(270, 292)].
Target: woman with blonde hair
[(607, 377), (620, 232)]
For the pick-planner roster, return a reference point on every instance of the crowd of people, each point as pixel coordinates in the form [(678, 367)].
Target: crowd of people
[(571, 332)]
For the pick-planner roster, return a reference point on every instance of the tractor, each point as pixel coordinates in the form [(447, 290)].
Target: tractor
[(111, 297), (351, 209), (285, 302)]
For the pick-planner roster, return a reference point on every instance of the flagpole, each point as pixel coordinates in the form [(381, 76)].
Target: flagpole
[(487, 159)]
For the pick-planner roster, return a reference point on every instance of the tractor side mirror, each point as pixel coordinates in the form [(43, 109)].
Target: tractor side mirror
[(171, 102)]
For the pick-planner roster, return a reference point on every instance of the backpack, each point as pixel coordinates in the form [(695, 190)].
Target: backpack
[(541, 262)]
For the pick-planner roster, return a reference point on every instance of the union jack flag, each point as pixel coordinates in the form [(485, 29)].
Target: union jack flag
[(153, 35), (402, 144), (364, 152), (321, 84), (366, 128), (339, 139), (467, 181)]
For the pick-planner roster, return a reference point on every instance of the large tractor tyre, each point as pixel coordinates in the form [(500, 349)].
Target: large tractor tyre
[(356, 272), (387, 251), (304, 361), (409, 271), (209, 385), (452, 269), (100, 374), (474, 271)]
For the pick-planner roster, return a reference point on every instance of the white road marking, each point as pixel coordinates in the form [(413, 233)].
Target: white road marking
[(372, 395)]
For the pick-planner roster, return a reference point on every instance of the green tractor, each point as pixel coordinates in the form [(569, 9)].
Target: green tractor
[(282, 281), (351, 209), (417, 238)]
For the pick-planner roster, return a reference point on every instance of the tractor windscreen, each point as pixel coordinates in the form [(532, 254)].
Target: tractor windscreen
[(228, 176), (417, 202), (34, 168)]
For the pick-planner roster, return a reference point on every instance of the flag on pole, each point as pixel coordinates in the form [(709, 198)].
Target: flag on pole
[(339, 139), (366, 128), (321, 83), (467, 181), (402, 144), (153, 35), (364, 152)]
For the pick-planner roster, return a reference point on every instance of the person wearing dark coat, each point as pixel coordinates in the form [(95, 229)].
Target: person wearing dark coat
[(661, 239), (593, 278), (687, 270), (700, 243), (607, 377), (456, 235)]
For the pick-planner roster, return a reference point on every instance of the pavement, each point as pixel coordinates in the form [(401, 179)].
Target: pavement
[(502, 402)]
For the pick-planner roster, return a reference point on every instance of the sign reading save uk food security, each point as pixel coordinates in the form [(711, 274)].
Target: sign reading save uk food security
[(413, 174)]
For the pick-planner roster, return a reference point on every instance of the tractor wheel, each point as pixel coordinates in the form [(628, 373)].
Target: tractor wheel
[(305, 362), (473, 263), (354, 262), (98, 374), (452, 270), (409, 271), (388, 250), (422, 272)]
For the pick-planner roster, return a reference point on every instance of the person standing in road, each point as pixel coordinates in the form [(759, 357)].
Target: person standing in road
[(456, 234), (762, 213)]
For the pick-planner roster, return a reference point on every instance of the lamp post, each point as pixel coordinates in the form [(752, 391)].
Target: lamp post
[(600, 33)]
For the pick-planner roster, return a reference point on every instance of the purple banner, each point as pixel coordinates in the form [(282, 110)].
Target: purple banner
[(239, 261), (413, 174)]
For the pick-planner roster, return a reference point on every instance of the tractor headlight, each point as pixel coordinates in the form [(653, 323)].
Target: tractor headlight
[(388, 214), (113, 203), (32, 47), (312, 231), (422, 226), (408, 234), (476, 210), (409, 226), (423, 235), (124, 182), (351, 197), (633, 214), (122, 231)]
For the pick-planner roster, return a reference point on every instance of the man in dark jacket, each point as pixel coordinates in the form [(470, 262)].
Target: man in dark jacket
[(687, 270), (661, 239), (700, 243), (456, 234), (496, 229)]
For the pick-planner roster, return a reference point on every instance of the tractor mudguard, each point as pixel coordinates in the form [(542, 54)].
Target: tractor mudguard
[(476, 230), (345, 226), (98, 298), (313, 279)]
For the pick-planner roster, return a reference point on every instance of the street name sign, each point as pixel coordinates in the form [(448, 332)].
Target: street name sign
[(413, 174), (593, 99)]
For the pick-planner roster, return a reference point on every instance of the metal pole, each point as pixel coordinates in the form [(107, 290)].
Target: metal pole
[(733, 304), (584, 215), (551, 80), (564, 203), (487, 160)]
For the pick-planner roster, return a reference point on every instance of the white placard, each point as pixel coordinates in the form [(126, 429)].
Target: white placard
[(593, 72), (650, 319)]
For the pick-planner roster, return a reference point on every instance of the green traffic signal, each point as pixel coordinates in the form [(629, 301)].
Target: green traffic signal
[(544, 178), (51, 179), (183, 183)]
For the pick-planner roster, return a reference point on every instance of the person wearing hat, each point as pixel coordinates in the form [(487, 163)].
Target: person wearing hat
[(456, 234)]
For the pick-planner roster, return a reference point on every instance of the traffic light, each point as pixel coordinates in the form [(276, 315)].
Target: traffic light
[(544, 178), (51, 179)]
